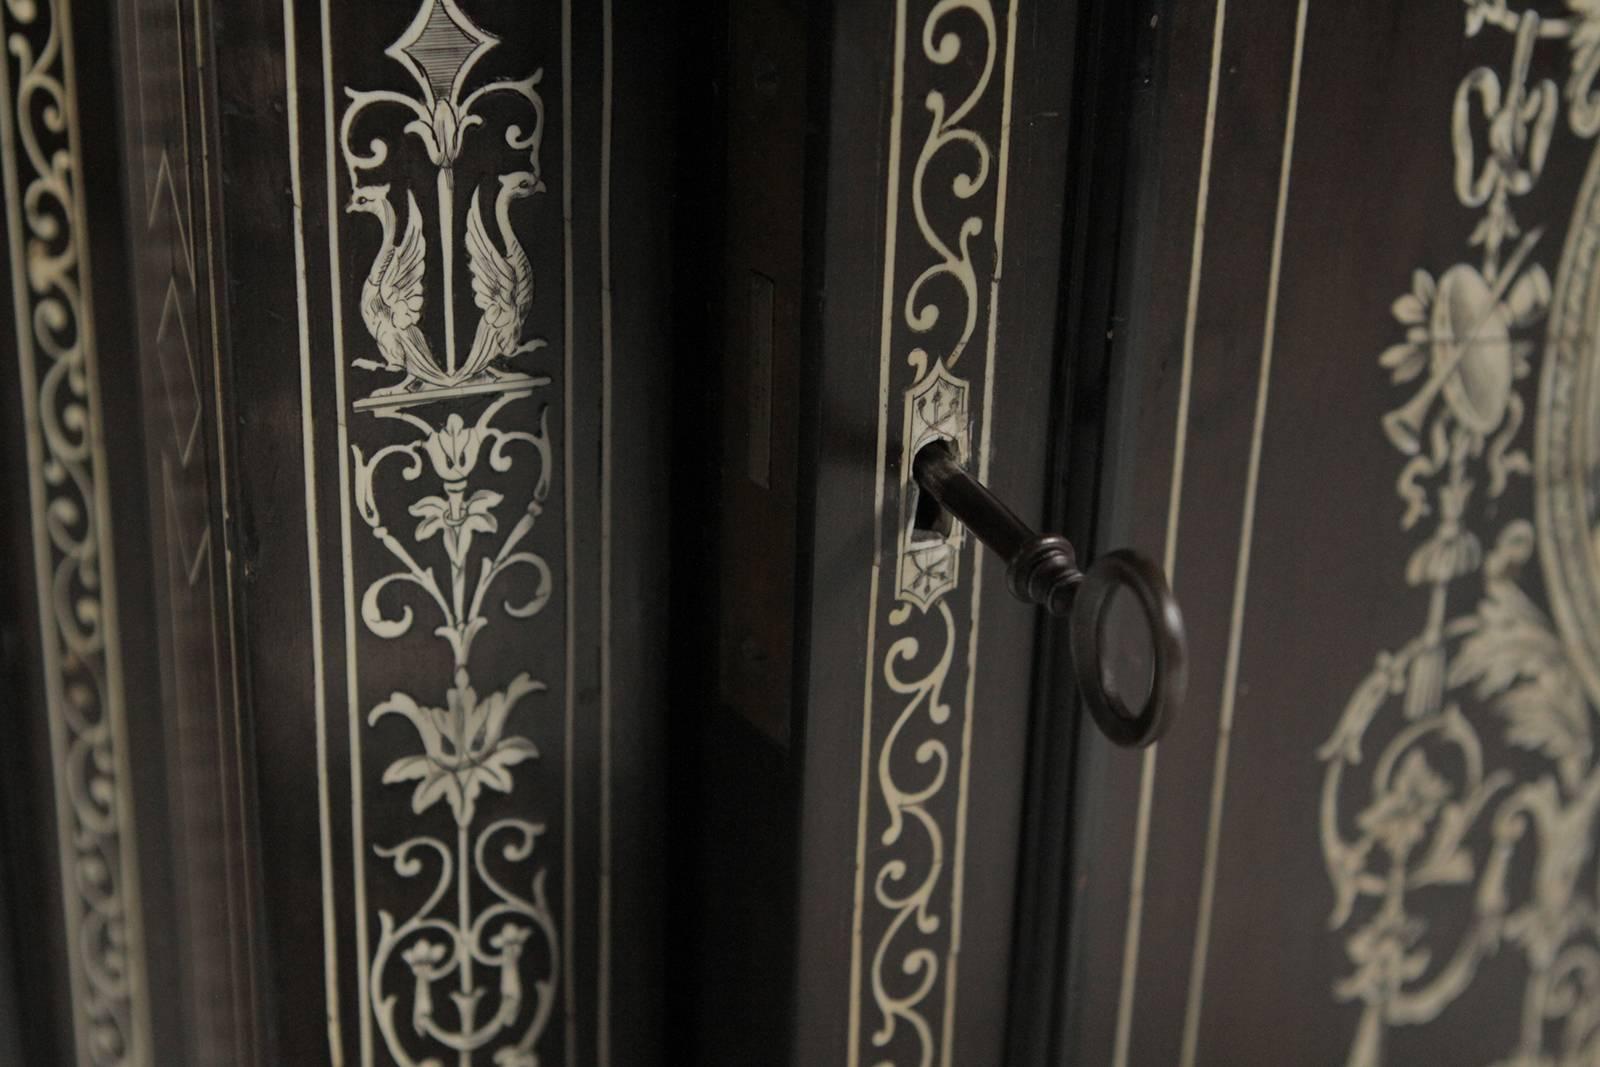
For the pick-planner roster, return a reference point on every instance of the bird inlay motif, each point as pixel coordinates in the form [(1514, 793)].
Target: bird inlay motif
[(502, 283), (392, 295), (466, 972)]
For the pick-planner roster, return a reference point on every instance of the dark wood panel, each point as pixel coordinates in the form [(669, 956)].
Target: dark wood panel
[(172, 277), (547, 468), (1358, 702), (219, 694), (913, 766), (93, 925)]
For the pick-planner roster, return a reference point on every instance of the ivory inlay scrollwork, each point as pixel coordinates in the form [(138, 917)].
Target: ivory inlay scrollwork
[(1464, 766), (951, 90), (451, 462), (73, 541)]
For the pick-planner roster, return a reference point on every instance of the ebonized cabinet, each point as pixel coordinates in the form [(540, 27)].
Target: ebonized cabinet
[(467, 599)]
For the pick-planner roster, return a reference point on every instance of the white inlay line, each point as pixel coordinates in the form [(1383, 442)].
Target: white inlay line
[(603, 1008), (1147, 769), (569, 980), (330, 932), (957, 874), (891, 229), (115, 709), (1230, 682), (86, 999), (246, 1037), (353, 714)]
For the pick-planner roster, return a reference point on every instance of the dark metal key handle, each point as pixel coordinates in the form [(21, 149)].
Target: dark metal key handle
[(1043, 569)]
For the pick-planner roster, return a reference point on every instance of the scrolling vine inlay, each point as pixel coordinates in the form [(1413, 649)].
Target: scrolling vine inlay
[(952, 97), (73, 542)]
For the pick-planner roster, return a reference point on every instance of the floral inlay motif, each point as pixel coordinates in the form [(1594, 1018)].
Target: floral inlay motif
[(1485, 783), (451, 461)]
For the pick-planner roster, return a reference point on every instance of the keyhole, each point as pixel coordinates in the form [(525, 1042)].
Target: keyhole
[(929, 519)]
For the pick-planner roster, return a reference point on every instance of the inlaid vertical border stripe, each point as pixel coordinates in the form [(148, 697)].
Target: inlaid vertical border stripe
[(68, 486), (958, 874), (607, 412), (246, 993), (1230, 682), (569, 978), (933, 910), (353, 709), (891, 217), (1128, 985), (330, 918)]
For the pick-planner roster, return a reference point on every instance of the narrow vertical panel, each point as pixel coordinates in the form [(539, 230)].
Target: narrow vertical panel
[(164, 112), (941, 293), (73, 541), (450, 418)]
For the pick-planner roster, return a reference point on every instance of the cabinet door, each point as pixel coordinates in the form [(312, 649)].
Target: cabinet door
[(1361, 429), (1300, 306), (860, 755), (462, 455)]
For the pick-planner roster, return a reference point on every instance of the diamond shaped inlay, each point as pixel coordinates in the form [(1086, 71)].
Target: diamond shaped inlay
[(440, 47)]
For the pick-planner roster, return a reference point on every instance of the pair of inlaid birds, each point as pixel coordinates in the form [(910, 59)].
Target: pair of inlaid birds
[(392, 296)]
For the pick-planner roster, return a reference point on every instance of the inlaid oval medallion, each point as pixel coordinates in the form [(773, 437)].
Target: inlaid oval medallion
[(1567, 457)]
